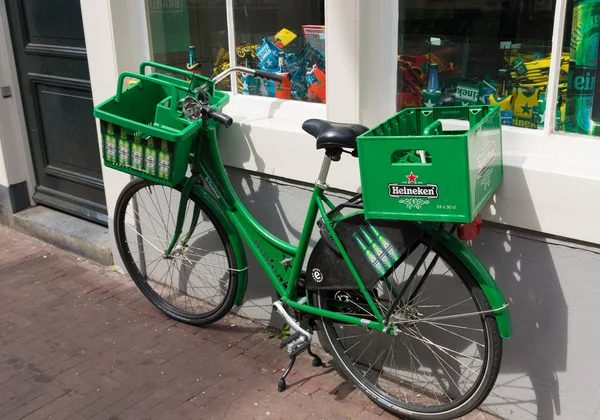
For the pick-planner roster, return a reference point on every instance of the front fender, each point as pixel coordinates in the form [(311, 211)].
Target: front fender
[(486, 282), (234, 237)]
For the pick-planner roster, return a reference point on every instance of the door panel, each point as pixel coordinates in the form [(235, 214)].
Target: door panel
[(51, 58)]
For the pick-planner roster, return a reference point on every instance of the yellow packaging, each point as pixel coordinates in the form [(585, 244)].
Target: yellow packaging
[(285, 36), (505, 103), (525, 107)]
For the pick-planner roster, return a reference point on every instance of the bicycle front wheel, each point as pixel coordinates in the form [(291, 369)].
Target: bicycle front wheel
[(440, 359), (196, 283)]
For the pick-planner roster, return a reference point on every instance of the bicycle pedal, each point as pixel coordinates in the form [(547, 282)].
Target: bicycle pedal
[(297, 346), (288, 340)]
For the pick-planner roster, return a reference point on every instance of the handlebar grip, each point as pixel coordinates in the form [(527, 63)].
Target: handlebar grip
[(224, 119), (269, 76)]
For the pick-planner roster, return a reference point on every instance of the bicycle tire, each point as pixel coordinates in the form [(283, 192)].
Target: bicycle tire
[(128, 257), (493, 354)]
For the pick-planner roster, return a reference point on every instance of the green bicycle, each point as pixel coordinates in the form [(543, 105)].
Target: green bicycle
[(410, 314)]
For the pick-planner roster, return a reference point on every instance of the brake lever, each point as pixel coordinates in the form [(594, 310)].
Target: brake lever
[(204, 98)]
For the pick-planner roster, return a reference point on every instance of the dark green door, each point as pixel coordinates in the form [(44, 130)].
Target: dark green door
[(49, 48)]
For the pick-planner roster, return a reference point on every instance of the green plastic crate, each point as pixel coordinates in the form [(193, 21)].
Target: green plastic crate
[(143, 132), (411, 169)]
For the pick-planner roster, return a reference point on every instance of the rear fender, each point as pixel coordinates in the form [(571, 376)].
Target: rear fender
[(486, 281)]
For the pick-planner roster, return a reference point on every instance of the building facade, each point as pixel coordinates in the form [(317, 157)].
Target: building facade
[(542, 237)]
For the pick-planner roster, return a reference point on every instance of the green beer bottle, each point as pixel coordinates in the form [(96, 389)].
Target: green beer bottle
[(375, 263), (379, 252), (150, 158), (164, 161), (387, 246), (582, 67), (110, 151), (137, 154), (124, 149)]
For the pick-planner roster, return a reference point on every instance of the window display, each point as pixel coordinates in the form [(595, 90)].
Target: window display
[(580, 114), (283, 37), (477, 52), (277, 36)]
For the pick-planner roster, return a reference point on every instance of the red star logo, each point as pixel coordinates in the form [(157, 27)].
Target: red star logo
[(412, 178)]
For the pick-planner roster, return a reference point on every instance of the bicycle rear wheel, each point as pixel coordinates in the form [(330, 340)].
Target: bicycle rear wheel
[(444, 353), (197, 282)]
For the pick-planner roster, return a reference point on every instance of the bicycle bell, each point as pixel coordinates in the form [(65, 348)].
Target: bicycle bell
[(191, 107)]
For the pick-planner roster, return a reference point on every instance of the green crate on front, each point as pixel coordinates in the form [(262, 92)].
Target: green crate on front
[(143, 131), (412, 169)]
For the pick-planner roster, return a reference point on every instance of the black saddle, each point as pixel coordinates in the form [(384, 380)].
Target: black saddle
[(334, 136)]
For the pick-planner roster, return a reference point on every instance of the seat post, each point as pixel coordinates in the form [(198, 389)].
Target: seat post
[(321, 182)]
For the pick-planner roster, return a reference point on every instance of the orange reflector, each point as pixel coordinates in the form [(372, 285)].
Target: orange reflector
[(469, 231)]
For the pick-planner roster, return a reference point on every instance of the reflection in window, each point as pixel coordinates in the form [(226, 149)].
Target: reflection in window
[(466, 52), (282, 36), (189, 34)]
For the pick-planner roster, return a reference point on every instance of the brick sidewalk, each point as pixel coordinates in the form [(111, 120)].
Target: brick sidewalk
[(80, 342)]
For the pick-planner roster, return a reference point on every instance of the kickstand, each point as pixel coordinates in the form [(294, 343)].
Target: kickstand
[(282, 385)]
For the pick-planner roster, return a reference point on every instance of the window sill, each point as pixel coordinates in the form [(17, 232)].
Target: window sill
[(551, 182)]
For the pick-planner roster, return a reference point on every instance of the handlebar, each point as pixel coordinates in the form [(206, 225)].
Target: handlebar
[(198, 107), (224, 119), (256, 73)]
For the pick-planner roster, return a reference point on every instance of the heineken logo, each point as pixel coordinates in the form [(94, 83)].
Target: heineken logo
[(137, 157), (111, 148), (485, 159), (466, 93), (403, 190), (582, 80)]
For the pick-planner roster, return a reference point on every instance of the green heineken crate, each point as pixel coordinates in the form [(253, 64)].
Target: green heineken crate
[(143, 131), (411, 169)]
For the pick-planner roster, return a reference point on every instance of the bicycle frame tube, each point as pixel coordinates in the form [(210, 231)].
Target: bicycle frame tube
[(281, 260)]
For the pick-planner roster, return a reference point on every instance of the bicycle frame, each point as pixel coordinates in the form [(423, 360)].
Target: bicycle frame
[(282, 261)]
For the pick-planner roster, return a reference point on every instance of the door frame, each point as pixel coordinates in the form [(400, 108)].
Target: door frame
[(14, 139), (38, 194)]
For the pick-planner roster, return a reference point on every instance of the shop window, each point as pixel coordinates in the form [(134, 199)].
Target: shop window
[(189, 34), (466, 52), (284, 36)]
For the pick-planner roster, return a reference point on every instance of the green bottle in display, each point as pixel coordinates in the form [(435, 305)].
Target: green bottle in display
[(137, 154), (375, 263), (376, 248), (164, 161), (387, 246), (110, 151), (150, 157), (124, 149)]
